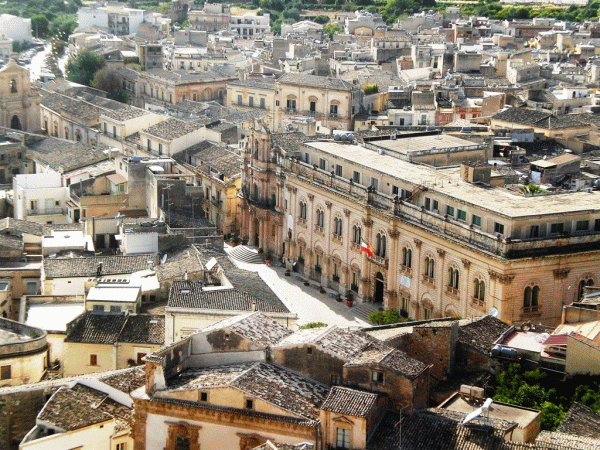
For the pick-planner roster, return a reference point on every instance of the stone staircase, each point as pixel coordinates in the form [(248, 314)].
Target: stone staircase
[(245, 254)]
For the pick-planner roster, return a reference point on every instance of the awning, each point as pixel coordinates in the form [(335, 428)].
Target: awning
[(115, 178)]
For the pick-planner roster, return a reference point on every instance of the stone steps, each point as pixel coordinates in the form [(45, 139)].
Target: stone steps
[(245, 254)]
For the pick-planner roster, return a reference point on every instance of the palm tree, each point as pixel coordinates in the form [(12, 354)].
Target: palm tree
[(531, 189)]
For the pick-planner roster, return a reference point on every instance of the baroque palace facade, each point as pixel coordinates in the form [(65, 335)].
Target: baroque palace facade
[(451, 236)]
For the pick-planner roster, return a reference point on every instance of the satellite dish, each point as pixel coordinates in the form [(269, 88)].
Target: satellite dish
[(494, 312)]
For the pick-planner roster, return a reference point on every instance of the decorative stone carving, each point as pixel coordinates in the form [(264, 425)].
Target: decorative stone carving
[(466, 263), (393, 233), (328, 204), (311, 197), (347, 212), (501, 278), (441, 252), (418, 242), (561, 273), (367, 222)]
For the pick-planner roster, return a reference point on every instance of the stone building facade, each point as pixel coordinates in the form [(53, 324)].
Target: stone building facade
[(443, 245), (19, 105)]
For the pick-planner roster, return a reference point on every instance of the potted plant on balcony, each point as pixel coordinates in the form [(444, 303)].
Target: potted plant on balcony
[(234, 240), (349, 299), (268, 258)]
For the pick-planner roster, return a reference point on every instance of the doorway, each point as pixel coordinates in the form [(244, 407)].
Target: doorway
[(378, 298)]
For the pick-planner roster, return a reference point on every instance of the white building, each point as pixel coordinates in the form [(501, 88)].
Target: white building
[(92, 17), (40, 197), (250, 25), (6, 44), (16, 28)]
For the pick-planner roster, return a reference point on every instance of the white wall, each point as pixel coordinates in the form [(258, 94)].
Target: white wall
[(16, 28), (90, 438), (88, 17)]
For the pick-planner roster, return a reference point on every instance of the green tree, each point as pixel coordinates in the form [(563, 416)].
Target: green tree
[(332, 29), (371, 89), (531, 189), (40, 25), (312, 325), (386, 317), (84, 66), (108, 80), (62, 26), (322, 19)]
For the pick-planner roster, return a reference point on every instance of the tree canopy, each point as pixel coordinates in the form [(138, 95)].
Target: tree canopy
[(107, 80), (84, 66)]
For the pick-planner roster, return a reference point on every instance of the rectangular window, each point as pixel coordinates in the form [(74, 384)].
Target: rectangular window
[(338, 170), (31, 287), (240, 99), (249, 404), (404, 311), (98, 308), (597, 225), (461, 215), (203, 396), (114, 131), (450, 210), (377, 377), (426, 313), (476, 220), (395, 190), (182, 443), (342, 438), (335, 379), (333, 109), (534, 231), (322, 164), (262, 102), (374, 183), (356, 177), (121, 446), (105, 128), (291, 104), (149, 145), (307, 158), (498, 228), (582, 225), (115, 309), (5, 373), (436, 205), (250, 101), (427, 203), (140, 357), (313, 107), (93, 360), (160, 149)]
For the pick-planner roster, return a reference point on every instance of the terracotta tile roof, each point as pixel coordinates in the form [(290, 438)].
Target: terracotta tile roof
[(88, 266), (190, 294), (94, 328), (343, 343), (268, 382), (343, 400), (567, 441), (172, 129), (481, 333), (143, 329), (80, 406), (126, 380), (21, 226), (58, 153), (302, 79), (533, 118), (581, 421), (178, 262), (255, 326), (278, 446), (389, 358)]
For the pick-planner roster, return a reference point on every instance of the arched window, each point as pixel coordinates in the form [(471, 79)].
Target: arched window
[(479, 290), (430, 267), (453, 277), (531, 299), (407, 257), (13, 86), (381, 245), (78, 135), (582, 284), (66, 133), (320, 218), (337, 226), (303, 210), (356, 234)]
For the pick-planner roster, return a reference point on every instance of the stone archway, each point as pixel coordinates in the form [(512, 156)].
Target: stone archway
[(15, 123), (379, 287)]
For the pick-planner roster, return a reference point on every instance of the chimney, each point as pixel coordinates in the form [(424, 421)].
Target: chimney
[(185, 275)]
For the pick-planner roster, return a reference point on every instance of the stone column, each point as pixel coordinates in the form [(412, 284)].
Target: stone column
[(365, 280), (465, 297), (441, 285), (251, 227), (392, 279), (416, 280)]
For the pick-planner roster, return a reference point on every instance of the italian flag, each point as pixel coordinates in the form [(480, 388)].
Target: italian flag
[(367, 248)]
